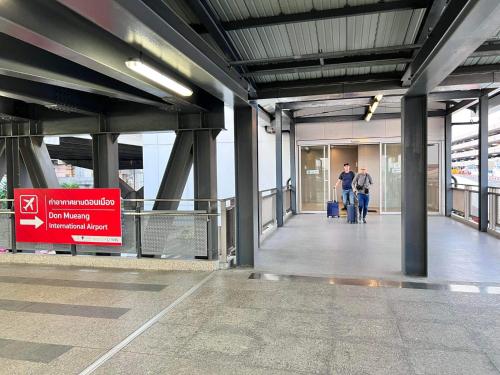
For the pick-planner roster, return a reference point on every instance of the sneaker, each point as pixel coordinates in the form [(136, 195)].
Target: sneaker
[(364, 221)]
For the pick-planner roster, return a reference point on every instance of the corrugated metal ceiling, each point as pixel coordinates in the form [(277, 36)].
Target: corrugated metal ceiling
[(322, 36)]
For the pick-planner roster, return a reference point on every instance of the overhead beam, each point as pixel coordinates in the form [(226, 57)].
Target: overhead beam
[(86, 44), (464, 75), (405, 48), (17, 60), (487, 49), (315, 15), (344, 118), (451, 95), (461, 29), (51, 96), (136, 119), (160, 32), (464, 104), (340, 63), (210, 21)]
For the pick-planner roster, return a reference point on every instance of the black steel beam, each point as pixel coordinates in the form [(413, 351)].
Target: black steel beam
[(464, 75), (400, 49), (3, 163), (38, 162), (464, 104), (343, 118), (176, 172), (315, 15), (414, 186), (452, 95), (212, 24), (487, 49), (247, 184), (461, 29), (159, 31), (86, 44), (483, 163), (330, 86), (17, 60), (59, 98), (335, 63)]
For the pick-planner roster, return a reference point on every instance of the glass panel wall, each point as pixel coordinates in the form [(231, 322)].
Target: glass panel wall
[(314, 177), (433, 178), (391, 177)]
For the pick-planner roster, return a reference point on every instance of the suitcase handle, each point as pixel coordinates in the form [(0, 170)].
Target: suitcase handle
[(335, 194)]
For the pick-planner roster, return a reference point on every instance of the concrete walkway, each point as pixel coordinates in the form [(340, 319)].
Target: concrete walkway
[(311, 244), (60, 320)]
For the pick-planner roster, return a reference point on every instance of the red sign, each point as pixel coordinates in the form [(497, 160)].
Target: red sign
[(68, 216)]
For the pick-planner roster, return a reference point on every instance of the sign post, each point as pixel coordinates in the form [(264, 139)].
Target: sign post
[(68, 216)]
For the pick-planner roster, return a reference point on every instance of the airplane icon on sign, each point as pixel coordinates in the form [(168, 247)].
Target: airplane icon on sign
[(29, 204)]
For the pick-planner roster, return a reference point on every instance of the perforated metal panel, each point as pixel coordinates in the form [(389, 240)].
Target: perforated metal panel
[(128, 240), (177, 237), (5, 231)]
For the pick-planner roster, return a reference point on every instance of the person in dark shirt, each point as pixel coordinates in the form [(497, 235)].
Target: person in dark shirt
[(346, 178)]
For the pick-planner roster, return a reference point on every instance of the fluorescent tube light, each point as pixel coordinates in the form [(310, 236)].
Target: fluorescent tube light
[(368, 116), (373, 107), (152, 74)]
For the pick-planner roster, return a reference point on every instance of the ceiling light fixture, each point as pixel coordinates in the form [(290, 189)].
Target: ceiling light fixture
[(373, 106), (152, 74)]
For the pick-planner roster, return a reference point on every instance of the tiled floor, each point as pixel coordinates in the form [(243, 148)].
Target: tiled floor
[(311, 244), (236, 325)]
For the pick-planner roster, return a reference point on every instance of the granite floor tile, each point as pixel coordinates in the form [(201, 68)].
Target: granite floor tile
[(162, 339), (368, 358), (379, 330), (431, 362), (362, 307), (422, 311), (436, 335)]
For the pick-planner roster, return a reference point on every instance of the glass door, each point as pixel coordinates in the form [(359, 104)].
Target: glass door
[(314, 177), (433, 173)]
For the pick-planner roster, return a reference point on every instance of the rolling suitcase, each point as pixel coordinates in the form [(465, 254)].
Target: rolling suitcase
[(332, 207), (352, 218)]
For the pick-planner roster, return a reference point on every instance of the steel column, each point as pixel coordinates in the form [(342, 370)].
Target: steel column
[(177, 172), (38, 162), (13, 176), (3, 164), (205, 182), (448, 194), (293, 172), (279, 164), (105, 160), (483, 162), (414, 186), (245, 126)]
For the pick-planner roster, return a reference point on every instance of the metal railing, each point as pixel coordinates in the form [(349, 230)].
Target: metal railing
[(171, 234), (466, 205), (267, 209), (287, 200)]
